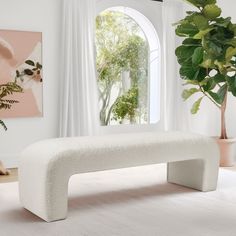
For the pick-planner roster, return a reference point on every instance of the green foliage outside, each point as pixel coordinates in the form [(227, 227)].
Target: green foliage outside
[(207, 56), (120, 46), (126, 105)]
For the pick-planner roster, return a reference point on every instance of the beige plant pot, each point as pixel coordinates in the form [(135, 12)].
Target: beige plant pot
[(227, 151)]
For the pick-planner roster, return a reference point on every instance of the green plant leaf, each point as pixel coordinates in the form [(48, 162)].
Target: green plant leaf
[(202, 73), (207, 63), (209, 84), (3, 125), (223, 22), (201, 22), (197, 57), (192, 82), (231, 84), (220, 95), (186, 29), (28, 72), (188, 72), (17, 73), (214, 50), (222, 92), (187, 93), (230, 52), (219, 78), (183, 53), (231, 42), (196, 106), (202, 33), (210, 2), (29, 62), (38, 65), (220, 65), (192, 42), (211, 11)]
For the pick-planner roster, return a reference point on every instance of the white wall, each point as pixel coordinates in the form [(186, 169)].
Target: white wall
[(207, 121), (42, 16)]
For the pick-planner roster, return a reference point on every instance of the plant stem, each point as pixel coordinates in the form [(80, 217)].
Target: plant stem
[(223, 123), (209, 97)]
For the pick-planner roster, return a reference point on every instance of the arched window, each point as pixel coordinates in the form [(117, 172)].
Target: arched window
[(128, 59)]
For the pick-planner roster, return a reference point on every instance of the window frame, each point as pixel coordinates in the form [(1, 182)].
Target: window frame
[(153, 12)]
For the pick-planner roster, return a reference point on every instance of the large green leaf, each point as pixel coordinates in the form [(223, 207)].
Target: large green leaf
[(210, 2), (197, 57), (184, 54), (220, 95), (201, 22), (223, 22), (196, 106), (222, 92), (219, 78), (186, 29), (189, 72), (192, 42), (214, 50), (202, 73), (209, 85), (187, 93), (211, 11)]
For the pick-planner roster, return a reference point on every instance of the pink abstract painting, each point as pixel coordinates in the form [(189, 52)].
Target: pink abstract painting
[(21, 80)]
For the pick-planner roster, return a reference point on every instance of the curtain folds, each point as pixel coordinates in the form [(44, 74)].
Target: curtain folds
[(78, 95), (176, 112)]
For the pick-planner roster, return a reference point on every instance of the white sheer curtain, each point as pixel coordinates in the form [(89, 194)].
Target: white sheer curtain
[(176, 112), (78, 96)]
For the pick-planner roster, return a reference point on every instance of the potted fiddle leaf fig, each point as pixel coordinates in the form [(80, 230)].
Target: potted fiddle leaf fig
[(207, 59)]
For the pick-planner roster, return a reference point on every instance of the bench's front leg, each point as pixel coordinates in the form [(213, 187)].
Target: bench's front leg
[(200, 174), (44, 192)]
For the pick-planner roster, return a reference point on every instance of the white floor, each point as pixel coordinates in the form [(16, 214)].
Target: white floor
[(129, 202)]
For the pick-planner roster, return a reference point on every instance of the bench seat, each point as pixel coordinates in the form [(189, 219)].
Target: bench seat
[(46, 166)]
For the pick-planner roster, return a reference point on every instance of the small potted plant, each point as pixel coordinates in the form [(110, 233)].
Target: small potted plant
[(207, 59)]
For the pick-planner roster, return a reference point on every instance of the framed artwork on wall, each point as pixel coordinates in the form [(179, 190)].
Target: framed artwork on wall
[(21, 77)]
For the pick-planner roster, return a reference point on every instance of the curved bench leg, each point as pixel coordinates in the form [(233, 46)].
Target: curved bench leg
[(44, 195), (200, 174)]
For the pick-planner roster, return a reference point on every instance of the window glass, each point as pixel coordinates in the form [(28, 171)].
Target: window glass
[(124, 62)]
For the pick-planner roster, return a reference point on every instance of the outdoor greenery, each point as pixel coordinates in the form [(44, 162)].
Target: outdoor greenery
[(207, 56), (126, 105), (121, 47)]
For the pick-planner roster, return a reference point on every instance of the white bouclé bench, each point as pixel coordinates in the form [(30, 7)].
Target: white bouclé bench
[(46, 166)]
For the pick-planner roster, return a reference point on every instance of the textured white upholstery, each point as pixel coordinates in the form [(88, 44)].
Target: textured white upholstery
[(46, 166)]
